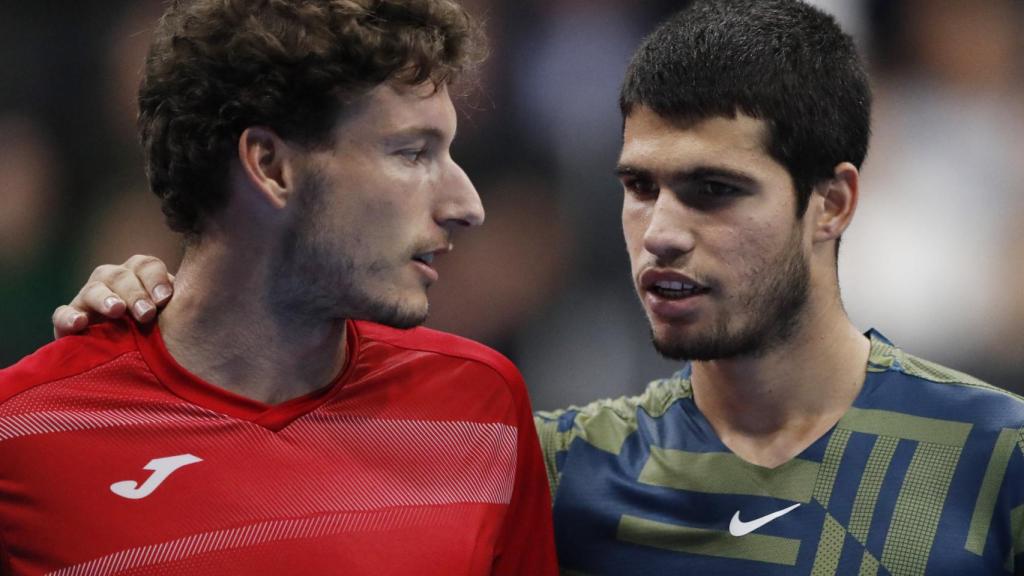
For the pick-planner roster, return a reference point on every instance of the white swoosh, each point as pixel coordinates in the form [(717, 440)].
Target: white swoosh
[(738, 527), (161, 467)]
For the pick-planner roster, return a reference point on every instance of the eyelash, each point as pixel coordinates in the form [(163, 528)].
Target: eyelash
[(414, 155), (704, 194), (716, 189), (639, 187)]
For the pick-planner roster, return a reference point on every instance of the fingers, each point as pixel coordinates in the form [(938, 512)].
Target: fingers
[(157, 282), (139, 286), (67, 321), (112, 290), (108, 297), (94, 301)]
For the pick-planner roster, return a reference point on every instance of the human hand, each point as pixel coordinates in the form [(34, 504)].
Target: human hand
[(142, 284)]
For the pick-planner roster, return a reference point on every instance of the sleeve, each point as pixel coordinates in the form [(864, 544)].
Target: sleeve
[(527, 542), (556, 432)]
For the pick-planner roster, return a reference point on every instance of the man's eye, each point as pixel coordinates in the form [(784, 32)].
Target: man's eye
[(640, 187), (413, 154), (714, 189)]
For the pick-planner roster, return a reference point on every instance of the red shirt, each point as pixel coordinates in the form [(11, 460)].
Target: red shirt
[(421, 458)]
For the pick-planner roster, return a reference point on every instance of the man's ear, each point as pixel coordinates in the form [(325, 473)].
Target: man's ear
[(839, 197), (267, 164)]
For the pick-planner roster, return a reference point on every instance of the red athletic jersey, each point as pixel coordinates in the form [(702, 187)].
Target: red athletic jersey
[(421, 458)]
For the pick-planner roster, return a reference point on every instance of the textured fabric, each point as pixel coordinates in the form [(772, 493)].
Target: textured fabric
[(923, 475), (421, 458)]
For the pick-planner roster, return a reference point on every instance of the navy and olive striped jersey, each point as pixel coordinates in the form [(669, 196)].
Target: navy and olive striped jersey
[(923, 475)]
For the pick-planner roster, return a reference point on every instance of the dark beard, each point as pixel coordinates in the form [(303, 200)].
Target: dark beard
[(314, 281), (777, 308)]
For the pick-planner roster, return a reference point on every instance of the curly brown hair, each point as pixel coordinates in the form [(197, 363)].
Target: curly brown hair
[(216, 67)]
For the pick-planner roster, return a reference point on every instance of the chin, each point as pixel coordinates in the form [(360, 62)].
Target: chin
[(691, 344), (399, 313)]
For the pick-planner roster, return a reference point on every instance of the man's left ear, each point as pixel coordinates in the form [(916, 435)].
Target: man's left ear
[(837, 202), (267, 164)]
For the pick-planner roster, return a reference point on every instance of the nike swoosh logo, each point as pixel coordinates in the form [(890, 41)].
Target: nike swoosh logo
[(161, 467), (738, 527)]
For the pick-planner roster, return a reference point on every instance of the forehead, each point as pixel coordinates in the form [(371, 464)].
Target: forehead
[(655, 143), (392, 108)]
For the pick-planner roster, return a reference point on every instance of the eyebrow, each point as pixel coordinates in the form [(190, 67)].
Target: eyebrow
[(425, 132), (695, 175)]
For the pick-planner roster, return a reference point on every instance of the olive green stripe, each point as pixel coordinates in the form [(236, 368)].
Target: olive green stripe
[(1017, 524), (830, 466), (985, 505), (869, 565), (724, 473), (551, 443), (915, 519), (906, 427), (881, 356), (830, 547), (605, 429), (870, 486), (756, 547), (1017, 531)]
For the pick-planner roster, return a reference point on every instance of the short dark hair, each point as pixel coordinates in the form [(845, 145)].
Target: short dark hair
[(782, 61), (216, 67)]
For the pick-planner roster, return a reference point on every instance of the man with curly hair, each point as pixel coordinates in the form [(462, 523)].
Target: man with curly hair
[(276, 420), (789, 442)]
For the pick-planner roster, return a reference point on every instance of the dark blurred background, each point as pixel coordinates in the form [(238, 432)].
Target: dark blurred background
[(933, 260)]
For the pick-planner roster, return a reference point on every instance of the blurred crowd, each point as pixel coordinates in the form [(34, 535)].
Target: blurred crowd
[(933, 259)]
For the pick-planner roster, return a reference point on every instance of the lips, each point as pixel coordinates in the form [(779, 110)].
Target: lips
[(670, 284), (424, 261), (427, 256), (671, 295)]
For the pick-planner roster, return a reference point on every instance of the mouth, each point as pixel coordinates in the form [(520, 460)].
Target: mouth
[(427, 258), (424, 261), (670, 285), (676, 290)]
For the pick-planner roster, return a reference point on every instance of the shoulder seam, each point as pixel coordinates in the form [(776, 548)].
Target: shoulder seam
[(901, 357), (104, 362), (500, 359)]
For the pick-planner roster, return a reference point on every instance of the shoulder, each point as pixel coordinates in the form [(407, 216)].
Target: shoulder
[(439, 348), (67, 357), (606, 423), (928, 388)]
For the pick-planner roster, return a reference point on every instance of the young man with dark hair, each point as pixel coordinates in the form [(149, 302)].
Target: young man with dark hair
[(790, 443), (303, 150)]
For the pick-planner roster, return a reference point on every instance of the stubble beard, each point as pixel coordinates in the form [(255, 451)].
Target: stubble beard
[(775, 307), (319, 279)]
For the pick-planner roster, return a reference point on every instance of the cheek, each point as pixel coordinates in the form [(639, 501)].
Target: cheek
[(634, 225)]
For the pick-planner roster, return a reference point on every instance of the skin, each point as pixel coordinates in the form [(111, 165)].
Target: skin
[(311, 238), (705, 201)]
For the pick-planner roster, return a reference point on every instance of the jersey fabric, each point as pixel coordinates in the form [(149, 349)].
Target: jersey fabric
[(923, 475), (420, 458)]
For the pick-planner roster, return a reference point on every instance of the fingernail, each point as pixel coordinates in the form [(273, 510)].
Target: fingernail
[(162, 292), (141, 308), (74, 320), (111, 301)]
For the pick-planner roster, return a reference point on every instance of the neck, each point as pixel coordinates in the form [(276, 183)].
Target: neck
[(769, 408), (225, 326)]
